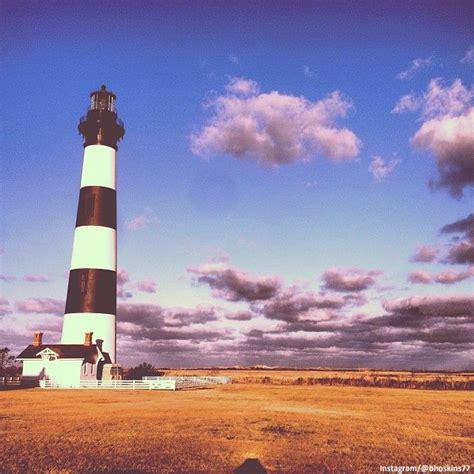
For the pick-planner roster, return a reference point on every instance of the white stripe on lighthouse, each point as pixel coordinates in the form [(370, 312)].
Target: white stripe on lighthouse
[(98, 168), (102, 325), (94, 247)]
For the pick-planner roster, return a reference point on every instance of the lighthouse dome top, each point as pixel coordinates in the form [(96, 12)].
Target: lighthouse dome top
[(101, 125), (103, 99)]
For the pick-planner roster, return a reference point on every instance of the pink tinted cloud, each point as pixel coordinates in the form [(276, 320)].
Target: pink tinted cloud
[(424, 253), (446, 277), (420, 276), (438, 100), (239, 85), (240, 316), (147, 286), (41, 306), (275, 128), (140, 221), (349, 279), (232, 284), (123, 294), (122, 276), (415, 66), (451, 139), (447, 130), (4, 307), (380, 169), (35, 278), (122, 279), (469, 56), (7, 278), (445, 306)]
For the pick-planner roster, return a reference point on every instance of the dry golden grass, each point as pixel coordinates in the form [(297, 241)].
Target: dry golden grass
[(291, 429), (359, 377)]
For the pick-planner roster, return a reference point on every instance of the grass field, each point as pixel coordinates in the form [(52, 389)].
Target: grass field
[(356, 377), (288, 428)]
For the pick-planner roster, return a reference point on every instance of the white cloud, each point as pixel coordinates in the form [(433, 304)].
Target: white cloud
[(147, 286), (239, 85), (415, 66), (40, 305), (140, 221), (35, 278), (275, 128), (451, 139), (447, 130), (468, 58), (380, 169), (407, 103), (233, 59), (438, 100), (307, 71)]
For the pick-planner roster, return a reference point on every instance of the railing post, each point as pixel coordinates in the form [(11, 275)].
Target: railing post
[(133, 385)]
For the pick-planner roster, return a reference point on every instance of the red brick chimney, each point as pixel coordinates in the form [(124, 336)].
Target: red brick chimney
[(37, 339), (88, 338)]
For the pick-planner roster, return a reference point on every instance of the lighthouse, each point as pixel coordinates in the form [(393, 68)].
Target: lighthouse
[(88, 347), (91, 303)]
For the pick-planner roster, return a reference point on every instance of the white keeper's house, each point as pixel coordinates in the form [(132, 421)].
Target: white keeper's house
[(65, 364)]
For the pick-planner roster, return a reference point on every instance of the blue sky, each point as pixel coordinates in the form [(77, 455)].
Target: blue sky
[(269, 159)]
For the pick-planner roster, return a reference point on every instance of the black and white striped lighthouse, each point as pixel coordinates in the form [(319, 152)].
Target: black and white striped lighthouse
[(91, 302)]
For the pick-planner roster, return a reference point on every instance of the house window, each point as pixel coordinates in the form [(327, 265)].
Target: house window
[(48, 355)]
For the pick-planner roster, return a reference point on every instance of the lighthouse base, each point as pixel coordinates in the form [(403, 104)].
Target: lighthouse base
[(103, 327)]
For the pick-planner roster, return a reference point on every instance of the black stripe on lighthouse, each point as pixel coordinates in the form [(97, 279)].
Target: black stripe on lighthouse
[(92, 290), (97, 206)]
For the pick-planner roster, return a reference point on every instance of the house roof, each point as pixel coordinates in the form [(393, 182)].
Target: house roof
[(64, 351)]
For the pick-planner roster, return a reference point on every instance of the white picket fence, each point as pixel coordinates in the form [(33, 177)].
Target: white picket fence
[(113, 384), (192, 381), (147, 383), (10, 381)]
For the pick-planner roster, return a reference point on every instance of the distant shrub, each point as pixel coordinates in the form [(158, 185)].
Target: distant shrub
[(142, 370)]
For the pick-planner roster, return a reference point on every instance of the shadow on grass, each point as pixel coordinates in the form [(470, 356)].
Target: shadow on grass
[(251, 466), (15, 387)]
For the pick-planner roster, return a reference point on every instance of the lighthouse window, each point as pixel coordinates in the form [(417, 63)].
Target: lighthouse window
[(90, 205), (83, 282)]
